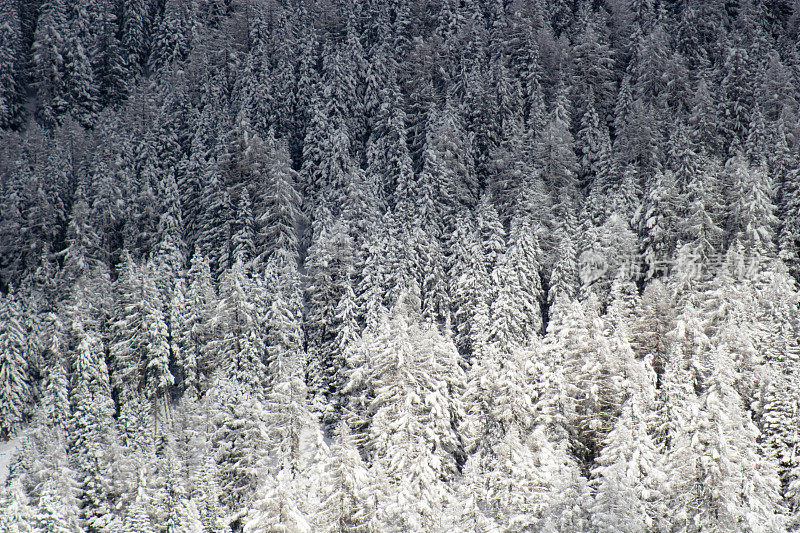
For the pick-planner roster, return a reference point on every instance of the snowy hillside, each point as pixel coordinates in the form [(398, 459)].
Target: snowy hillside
[(379, 266)]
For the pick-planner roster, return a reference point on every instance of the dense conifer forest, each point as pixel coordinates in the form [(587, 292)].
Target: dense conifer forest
[(387, 266)]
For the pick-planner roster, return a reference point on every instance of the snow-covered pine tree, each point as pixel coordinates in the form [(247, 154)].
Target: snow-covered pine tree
[(592, 69), (330, 270), (447, 165), (11, 58), (349, 502), (169, 41), (239, 439), (628, 478), (388, 156), (610, 248), (406, 413), (238, 343), (556, 154), (214, 220), (207, 493), (57, 509), (516, 317), (297, 449), (595, 153), (277, 507), (498, 396), (702, 211), (49, 47), (140, 337), (15, 381), (82, 253), (16, 515), (93, 440), (134, 35), (194, 338), (656, 225), (752, 211), (593, 381), (137, 517), (491, 232), (281, 216), (736, 93), (564, 274), (169, 252), (715, 441), (327, 159), (511, 484), (55, 398), (243, 247), (79, 82)]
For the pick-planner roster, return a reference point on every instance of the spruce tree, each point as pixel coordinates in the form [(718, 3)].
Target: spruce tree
[(556, 154), (243, 248), (595, 150), (700, 228), (388, 156), (715, 424), (330, 268), (92, 436), (79, 83)]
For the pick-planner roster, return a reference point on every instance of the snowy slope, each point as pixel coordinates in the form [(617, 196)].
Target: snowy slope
[(7, 450)]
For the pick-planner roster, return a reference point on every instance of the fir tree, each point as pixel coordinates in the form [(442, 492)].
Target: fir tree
[(388, 156), (330, 267), (195, 337), (134, 33), (555, 152), (79, 84), (92, 435), (57, 509), (277, 508), (140, 342), (595, 152), (699, 227), (446, 162), (214, 223), (243, 232), (715, 424)]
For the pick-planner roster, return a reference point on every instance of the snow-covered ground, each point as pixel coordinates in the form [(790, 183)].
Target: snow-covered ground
[(7, 450)]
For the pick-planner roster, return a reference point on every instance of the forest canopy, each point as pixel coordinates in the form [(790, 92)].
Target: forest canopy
[(431, 265)]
